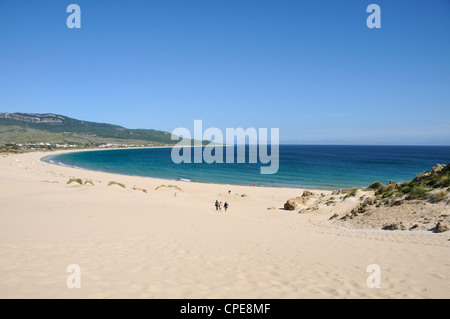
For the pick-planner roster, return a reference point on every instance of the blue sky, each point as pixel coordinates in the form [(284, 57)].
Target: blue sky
[(311, 68)]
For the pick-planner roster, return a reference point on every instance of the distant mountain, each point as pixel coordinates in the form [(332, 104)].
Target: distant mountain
[(31, 127)]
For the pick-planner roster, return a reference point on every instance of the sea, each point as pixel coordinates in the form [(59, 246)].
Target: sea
[(302, 166)]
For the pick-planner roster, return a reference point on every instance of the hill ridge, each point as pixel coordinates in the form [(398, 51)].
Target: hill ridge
[(21, 127)]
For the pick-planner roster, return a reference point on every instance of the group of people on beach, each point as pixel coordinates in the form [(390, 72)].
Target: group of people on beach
[(219, 205)]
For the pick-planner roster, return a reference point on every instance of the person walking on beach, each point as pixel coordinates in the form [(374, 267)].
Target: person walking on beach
[(220, 206), (216, 204), (226, 205)]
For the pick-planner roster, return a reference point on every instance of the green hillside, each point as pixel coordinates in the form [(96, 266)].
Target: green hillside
[(53, 128)]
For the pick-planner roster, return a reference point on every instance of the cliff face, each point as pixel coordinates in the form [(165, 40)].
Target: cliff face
[(34, 118)]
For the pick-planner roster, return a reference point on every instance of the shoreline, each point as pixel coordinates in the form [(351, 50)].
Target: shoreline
[(160, 178), (158, 244), (57, 152)]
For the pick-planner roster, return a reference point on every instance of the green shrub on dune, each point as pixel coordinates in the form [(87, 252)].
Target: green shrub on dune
[(375, 185), (115, 183), (75, 180), (419, 187), (417, 192), (438, 196), (350, 192), (139, 189), (169, 186)]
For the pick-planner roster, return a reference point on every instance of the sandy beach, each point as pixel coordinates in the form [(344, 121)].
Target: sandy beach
[(135, 244)]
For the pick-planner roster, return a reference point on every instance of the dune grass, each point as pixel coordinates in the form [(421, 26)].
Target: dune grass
[(116, 183), (75, 180), (139, 189), (80, 181), (438, 196), (169, 186), (375, 185), (418, 188), (350, 192)]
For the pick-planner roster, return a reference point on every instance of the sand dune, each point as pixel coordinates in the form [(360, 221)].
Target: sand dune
[(132, 244)]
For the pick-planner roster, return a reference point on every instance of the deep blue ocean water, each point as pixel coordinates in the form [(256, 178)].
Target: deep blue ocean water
[(311, 166)]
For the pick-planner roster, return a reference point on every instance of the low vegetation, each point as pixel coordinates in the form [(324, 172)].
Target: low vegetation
[(421, 187), (169, 186), (350, 192), (80, 181), (75, 180), (18, 127), (10, 148), (139, 189), (115, 183), (402, 206), (375, 185), (438, 196), (330, 202)]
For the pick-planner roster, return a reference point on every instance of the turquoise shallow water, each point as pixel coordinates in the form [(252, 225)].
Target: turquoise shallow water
[(312, 166)]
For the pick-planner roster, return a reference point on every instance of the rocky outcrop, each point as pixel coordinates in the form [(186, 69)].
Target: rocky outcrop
[(360, 209), (34, 118), (290, 204), (370, 201), (418, 205), (441, 227), (391, 227), (395, 226), (309, 194), (348, 216), (301, 200), (437, 168), (314, 206), (293, 203)]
